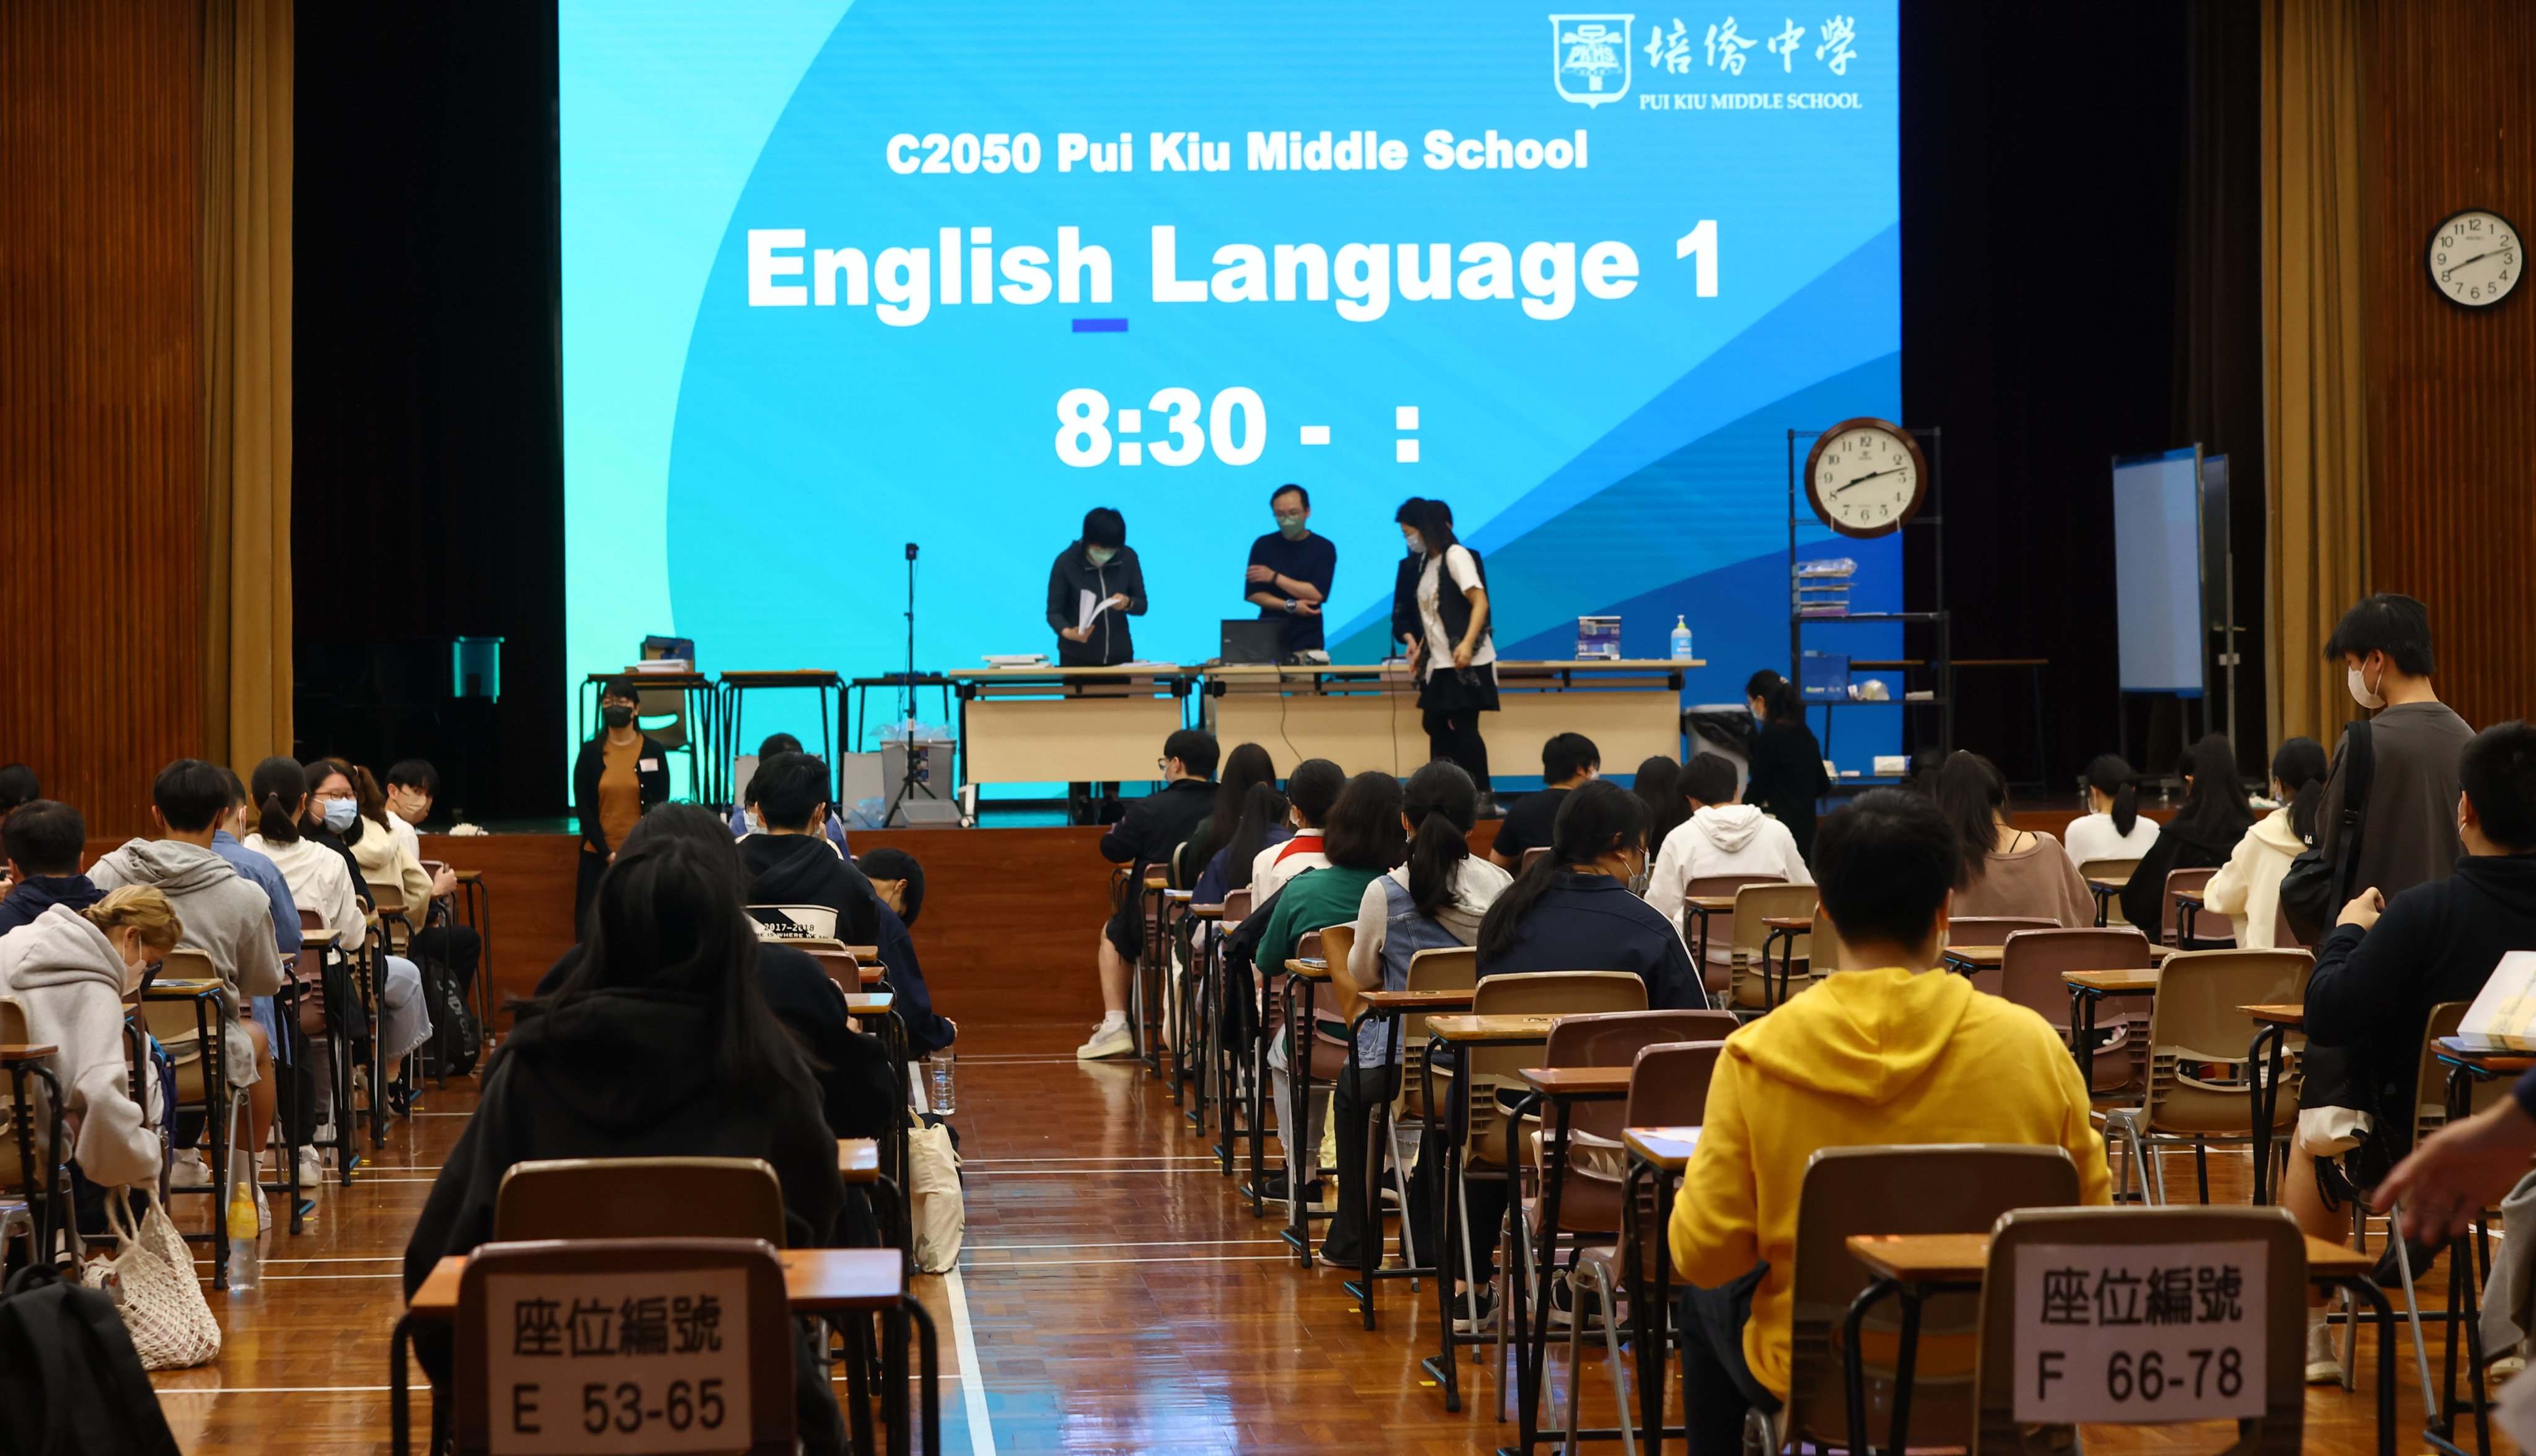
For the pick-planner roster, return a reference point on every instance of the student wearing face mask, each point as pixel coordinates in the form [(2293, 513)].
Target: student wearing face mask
[(72, 969), (620, 775), (1291, 571), (1577, 907), (1099, 570), (746, 818), (2407, 820)]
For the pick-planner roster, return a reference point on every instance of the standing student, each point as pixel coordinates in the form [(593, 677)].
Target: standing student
[(1290, 570), (617, 779), (2005, 870), (1452, 657), (1145, 836), (2407, 825), (1787, 773), (1569, 762), (1721, 836), (2112, 828), (1100, 569), (2248, 889), (2201, 835)]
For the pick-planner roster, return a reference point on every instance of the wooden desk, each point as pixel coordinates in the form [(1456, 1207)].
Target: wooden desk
[(1414, 1001), (1506, 1031), (1207, 912), (816, 1281), (858, 1159), (321, 939), (863, 952), (25, 1051), (1584, 1084), (1660, 1155), (1464, 1031), (2099, 983), (2088, 991), (1700, 908), (1394, 1008), (1917, 1266), (870, 1003), (1313, 970), (1562, 1088), (1666, 1149)]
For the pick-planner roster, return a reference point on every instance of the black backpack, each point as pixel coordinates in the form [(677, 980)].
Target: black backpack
[(70, 1380), (456, 1041)]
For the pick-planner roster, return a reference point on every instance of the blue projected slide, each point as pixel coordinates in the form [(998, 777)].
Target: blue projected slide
[(841, 275)]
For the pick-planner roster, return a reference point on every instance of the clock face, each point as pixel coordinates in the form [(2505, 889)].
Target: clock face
[(2475, 259), (1865, 478)]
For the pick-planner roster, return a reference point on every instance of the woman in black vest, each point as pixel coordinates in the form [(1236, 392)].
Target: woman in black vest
[(1452, 654)]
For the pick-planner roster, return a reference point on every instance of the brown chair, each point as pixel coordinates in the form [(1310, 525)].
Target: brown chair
[(1993, 930), (2198, 1025), (2119, 870), (309, 919), (1714, 887), (1236, 907), (2285, 936), (2031, 965), (761, 1324), (640, 1199), (1531, 854), (1755, 906), (841, 966), (2277, 1432), (396, 928), (1945, 1188), (187, 1024), (2178, 882)]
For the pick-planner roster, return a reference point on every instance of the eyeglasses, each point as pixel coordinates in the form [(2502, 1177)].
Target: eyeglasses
[(1162, 764)]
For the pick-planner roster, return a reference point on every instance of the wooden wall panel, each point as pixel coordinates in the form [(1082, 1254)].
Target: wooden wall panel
[(101, 455), (2451, 117)]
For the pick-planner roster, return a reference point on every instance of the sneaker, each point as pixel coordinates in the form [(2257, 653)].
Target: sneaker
[(188, 1169), (2323, 1358), (1564, 1299), (1465, 1324), (312, 1169), (1352, 1265), (1107, 1041)]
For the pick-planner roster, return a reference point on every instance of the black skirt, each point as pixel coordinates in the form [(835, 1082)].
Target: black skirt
[(1451, 689)]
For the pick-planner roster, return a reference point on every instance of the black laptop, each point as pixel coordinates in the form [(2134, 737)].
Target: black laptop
[(1253, 640)]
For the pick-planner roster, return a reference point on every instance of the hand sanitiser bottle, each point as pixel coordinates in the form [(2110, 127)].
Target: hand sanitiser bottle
[(1680, 639)]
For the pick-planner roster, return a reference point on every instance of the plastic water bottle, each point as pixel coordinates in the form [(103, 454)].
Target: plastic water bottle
[(1680, 639), (245, 1261), (938, 1093)]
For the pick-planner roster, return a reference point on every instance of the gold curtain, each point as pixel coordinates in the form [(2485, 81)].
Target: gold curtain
[(246, 378), (2315, 352)]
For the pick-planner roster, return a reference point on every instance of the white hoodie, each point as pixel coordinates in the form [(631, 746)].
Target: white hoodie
[(318, 881), (2247, 888), (1722, 839), (70, 982)]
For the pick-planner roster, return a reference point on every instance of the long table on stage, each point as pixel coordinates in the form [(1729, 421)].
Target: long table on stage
[(1367, 717), (1068, 724)]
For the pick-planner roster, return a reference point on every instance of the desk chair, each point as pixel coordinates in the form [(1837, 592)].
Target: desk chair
[(1715, 970), (1993, 1429), (1453, 968), (185, 1019), (1991, 930), (1948, 1188), (396, 925), (2030, 967), (2195, 1024), (1531, 854), (2178, 882), (1747, 986), (2110, 869), (34, 1147), (640, 1199)]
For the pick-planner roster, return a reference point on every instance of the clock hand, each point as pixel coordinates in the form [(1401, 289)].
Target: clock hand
[(1862, 479), (2477, 258)]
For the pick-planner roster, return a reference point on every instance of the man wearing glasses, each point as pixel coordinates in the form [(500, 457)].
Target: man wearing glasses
[(1290, 574)]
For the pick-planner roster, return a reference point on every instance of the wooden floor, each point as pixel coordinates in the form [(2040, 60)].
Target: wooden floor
[(1115, 1296)]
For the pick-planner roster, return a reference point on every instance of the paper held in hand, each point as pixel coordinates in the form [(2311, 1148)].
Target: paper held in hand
[(1087, 608), (2134, 1334), (2502, 1017)]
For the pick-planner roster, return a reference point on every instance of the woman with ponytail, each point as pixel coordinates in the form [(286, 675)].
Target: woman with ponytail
[(1576, 908), (2247, 888), (319, 877), (2113, 828), (2202, 834), (1433, 902), (1787, 775)]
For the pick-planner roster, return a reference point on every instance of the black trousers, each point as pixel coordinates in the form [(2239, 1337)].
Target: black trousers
[(1352, 1104), (457, 947), (1454, 734), (585, 889), (1718, 1389), (1359, 1091)]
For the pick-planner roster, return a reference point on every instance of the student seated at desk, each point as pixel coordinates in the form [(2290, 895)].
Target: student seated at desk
[(1433, 902), (73, 969), (2005, 870), (1569, 762), (746, 818), (2112, 828), (1143, 838), (659, 1041), (1311, 792), (899, 881), (1890, 1054), (43, 841), (1262, 825), (2381, 969), (2248, 889), (1572, 909), (2201, 835), (793, 862), (1245, 767), (1721, 835)]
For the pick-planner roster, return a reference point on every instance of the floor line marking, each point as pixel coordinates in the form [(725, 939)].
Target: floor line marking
[(973, 1392)]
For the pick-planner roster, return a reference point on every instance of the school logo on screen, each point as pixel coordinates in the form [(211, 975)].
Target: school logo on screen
[(1589, 57)]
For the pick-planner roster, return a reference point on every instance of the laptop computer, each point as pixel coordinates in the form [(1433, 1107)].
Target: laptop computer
[(1253, 640)]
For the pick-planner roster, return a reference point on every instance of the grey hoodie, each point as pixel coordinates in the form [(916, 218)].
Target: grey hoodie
[(66, 974), (226, 917)]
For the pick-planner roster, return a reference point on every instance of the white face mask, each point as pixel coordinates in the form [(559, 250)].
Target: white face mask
[(2353, 678)]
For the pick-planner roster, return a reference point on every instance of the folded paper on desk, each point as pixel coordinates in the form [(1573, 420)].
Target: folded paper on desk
[(2502, 1017)]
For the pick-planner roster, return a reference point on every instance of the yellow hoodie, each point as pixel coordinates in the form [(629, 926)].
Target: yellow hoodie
[(1863, 1057)]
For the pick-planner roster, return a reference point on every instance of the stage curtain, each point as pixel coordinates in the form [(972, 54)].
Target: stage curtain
[(2314, 343), (246, 162)]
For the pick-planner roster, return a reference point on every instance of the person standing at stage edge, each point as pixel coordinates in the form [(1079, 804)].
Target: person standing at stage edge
[(1453, 655), (1291, 571), (1096, 585)]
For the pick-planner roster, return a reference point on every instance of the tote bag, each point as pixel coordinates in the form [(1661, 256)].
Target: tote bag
[(151, 1279)]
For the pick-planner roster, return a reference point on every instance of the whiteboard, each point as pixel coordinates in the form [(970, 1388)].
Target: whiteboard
[(2156, 571)]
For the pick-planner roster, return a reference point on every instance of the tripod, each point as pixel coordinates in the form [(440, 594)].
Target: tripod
[(915, 777)]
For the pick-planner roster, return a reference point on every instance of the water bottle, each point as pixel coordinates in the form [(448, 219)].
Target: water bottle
[(245, 1261), (939, 1091), (1680, 640)]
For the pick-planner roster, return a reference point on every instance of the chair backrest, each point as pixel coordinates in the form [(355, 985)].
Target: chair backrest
[(2178, 882), (310, 919), (2285, 936), (794, 921), (2197, 1019), (1448, 968), (1309, 948), (640, 1199), (2119, 871), (2032, 963), (1756, 903), (13, 1023), (1823, 951), (1947, 1188), (1993, 930), (842, 968), (1709, 886), (1236, 907), (519, 1298), (1613, 1038), (2430, 1080), (1547, 992), (1531, 854), (2273, 1429), (387, 898), (1669, 1083)]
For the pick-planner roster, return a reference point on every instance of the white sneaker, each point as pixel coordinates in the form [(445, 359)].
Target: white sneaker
[(1108, 1040), (312, 1169), (188, 1169), (2323, 1356)]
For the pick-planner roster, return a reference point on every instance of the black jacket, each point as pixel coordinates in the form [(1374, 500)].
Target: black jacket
[(2436, 942), (2144, 894), (615, 1074), (927, 1031), (802, 869), (1156, 824), (1788, 777), (857, 1083), (1073, 575), (654, 781), (1592, 923)]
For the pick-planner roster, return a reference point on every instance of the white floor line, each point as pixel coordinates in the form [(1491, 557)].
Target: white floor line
[(973, 1391)]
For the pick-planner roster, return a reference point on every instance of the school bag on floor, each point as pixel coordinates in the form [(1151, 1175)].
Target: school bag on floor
[(70, 1380)]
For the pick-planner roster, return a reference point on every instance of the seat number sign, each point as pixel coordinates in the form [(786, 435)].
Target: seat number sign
[(2139, 1333), (618, 1363)]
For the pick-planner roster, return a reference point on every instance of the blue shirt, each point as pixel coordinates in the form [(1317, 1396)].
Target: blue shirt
[(1592, 923), (265, 875)]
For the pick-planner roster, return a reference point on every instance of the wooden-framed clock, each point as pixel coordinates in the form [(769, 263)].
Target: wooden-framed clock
[(1866, 476), (2475, 258)]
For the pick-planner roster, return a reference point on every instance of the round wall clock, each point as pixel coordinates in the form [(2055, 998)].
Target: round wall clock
[(1866, 476), (2475, 259)]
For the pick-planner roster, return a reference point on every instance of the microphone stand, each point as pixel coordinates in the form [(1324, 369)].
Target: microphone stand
[(912, 776)]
